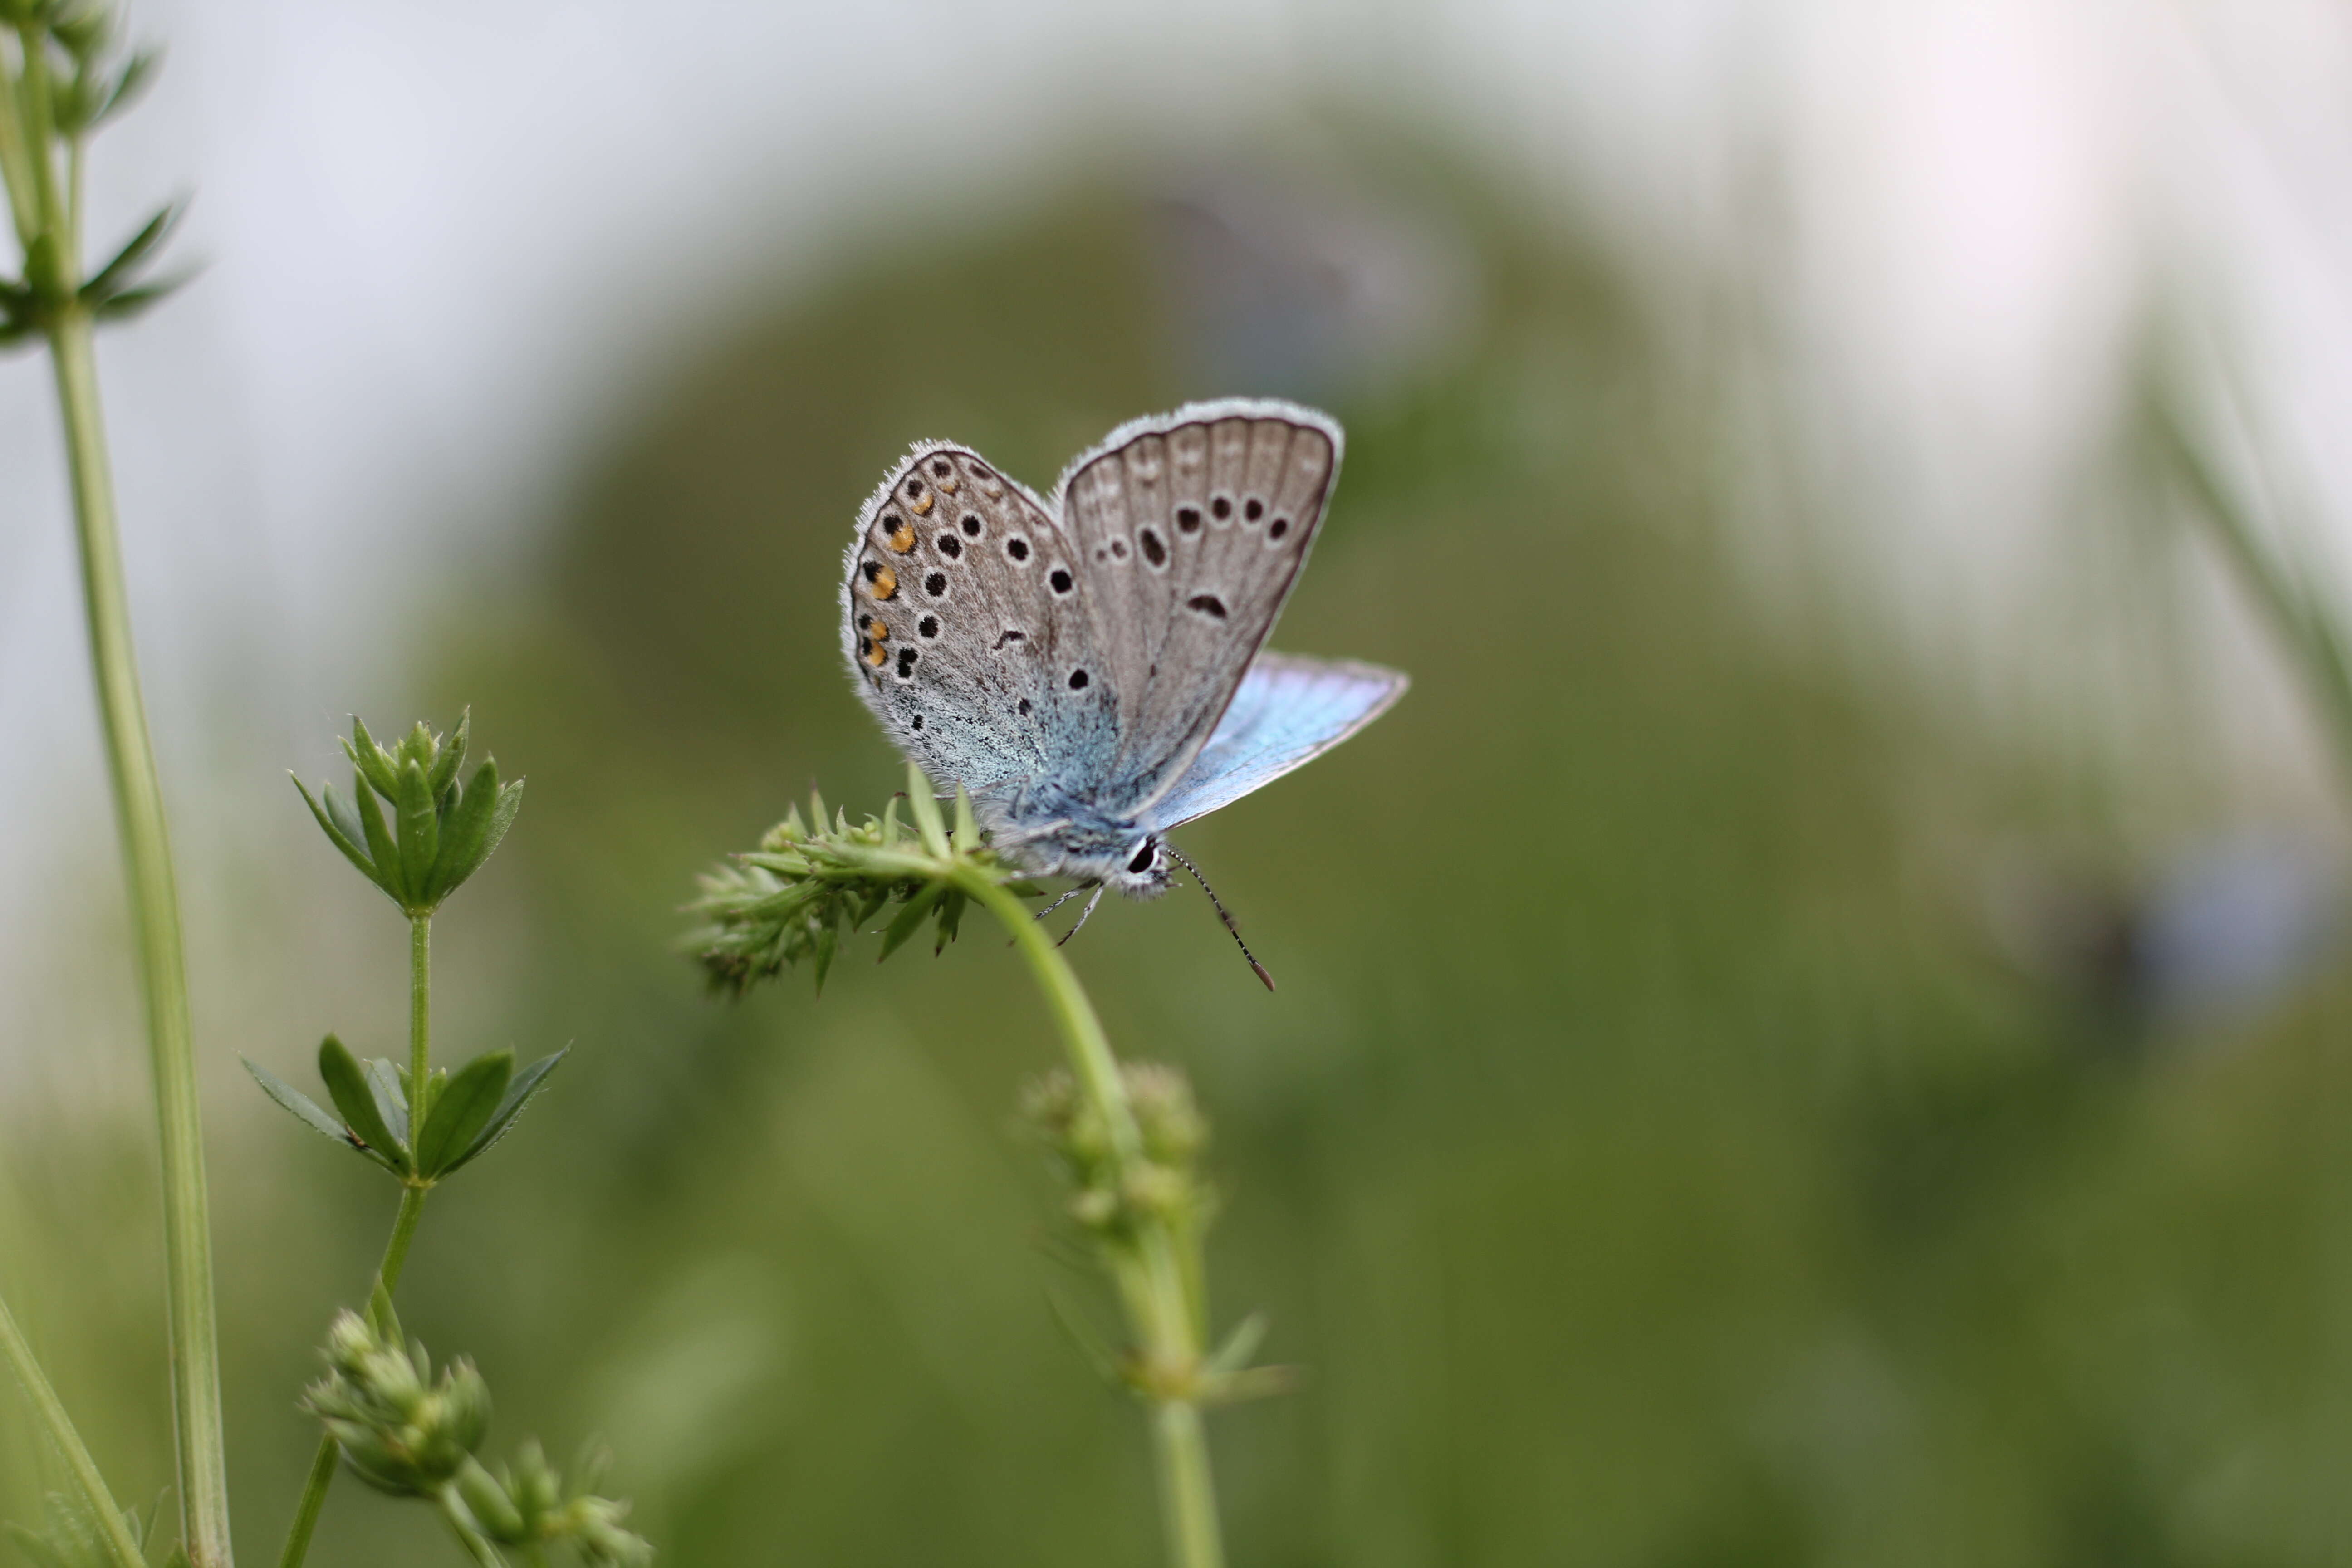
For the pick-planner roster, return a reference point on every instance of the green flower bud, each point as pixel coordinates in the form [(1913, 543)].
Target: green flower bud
[(1173, 1130), (402, 1430), (1158, 1191), (1096, 1209)]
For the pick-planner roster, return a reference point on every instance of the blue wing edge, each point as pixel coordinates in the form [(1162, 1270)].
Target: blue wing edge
[(1289, 709)]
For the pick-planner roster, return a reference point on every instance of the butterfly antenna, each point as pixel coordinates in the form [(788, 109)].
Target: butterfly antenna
[(1218, 904)]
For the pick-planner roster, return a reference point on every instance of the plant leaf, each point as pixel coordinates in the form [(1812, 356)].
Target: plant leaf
[(453, 756), (909, 920), (950, 918), (355, 1099), (1239, 1346), (115, 277), (926, 807), (828, 942), (461, 1109), (389, 1084), (520, 1092), (136, 73), (304, 1108), (373, 762), (334, 831), (130, 301), (465, 833), (419, 830), (381, 848)]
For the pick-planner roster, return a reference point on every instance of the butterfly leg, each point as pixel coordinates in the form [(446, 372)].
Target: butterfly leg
[(1085, 914), (1057, 903)]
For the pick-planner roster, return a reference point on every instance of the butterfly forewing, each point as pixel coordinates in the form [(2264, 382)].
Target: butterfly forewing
[(957, 625), (1191, 530)]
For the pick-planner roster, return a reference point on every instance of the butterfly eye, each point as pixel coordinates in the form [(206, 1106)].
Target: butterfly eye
[(1144, 857)]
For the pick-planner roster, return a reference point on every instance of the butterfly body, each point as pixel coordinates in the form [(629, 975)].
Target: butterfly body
[(1090, 667)]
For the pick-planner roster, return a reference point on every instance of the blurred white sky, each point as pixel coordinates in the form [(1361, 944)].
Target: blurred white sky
[(428, 229)]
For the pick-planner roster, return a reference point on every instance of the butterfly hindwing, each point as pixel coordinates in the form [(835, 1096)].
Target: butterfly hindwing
[(956, 624), (1289, 710), (1191, 529)]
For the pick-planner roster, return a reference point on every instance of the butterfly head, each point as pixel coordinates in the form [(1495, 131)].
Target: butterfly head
[(1143, 871)]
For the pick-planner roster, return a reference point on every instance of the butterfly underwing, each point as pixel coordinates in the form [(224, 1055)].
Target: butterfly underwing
[(1090, 666)]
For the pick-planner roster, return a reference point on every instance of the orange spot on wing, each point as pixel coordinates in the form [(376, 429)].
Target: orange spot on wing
[(884, 584)]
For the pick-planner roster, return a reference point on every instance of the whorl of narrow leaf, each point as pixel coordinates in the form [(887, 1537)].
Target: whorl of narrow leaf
[(814, 881), (471, 1109), (409, 825)]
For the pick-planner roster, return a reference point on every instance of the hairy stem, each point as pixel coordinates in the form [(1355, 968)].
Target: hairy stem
[(1152, 1284), (403, 1226), (95, 1498), (155, 913)]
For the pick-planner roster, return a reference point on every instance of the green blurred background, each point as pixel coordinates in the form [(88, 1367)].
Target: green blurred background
[(1677, 1140)]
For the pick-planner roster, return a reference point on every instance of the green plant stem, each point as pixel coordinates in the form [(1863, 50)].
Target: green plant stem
[(478, 1549), (155, 913), (51, 1411), (1153, 1286), (420, 1022), (403, 1226)]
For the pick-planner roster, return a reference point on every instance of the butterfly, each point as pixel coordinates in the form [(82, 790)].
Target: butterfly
[(1091, 665)]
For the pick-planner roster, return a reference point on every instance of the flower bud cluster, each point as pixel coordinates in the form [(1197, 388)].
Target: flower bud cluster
[(402, 1430), (1112, 1196), (812, 881), (410, 1434), (527, 1504)]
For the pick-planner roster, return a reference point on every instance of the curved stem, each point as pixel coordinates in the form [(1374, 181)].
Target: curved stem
[(1153, 1282), (155, 913), (98, 1502), (403, 1226)]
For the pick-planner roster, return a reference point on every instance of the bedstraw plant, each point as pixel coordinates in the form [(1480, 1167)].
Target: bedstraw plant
[(414, 824), (1126, 1137)]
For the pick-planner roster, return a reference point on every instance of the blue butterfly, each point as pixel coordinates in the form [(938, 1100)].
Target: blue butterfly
[(1091, 667)]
